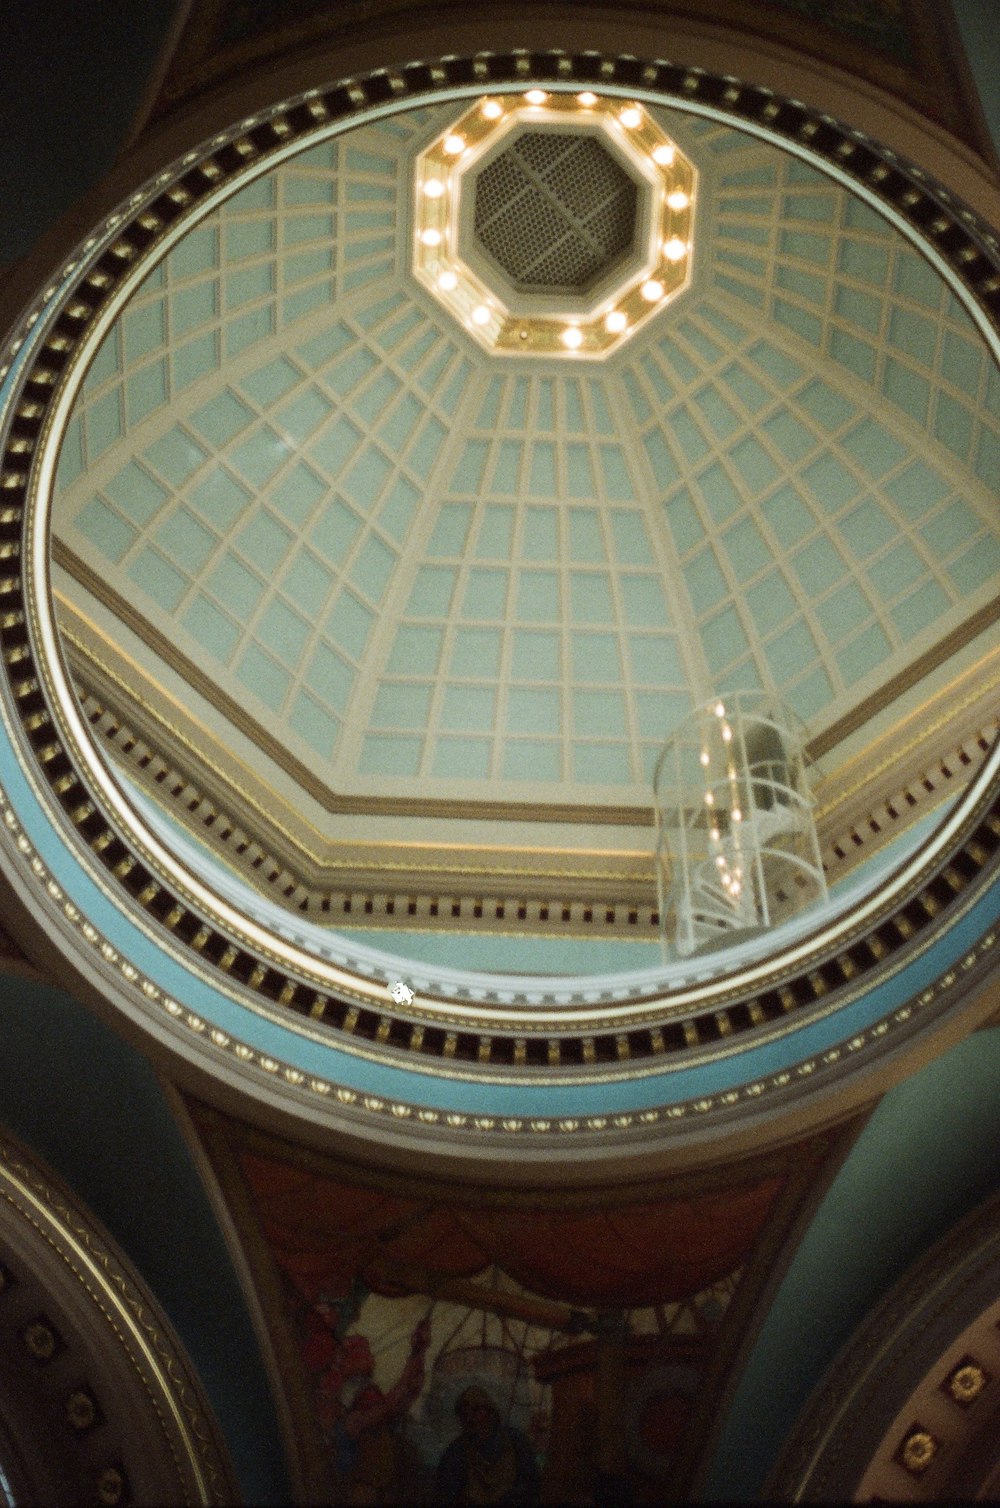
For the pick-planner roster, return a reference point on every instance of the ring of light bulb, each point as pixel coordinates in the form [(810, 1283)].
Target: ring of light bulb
[(457, 277)]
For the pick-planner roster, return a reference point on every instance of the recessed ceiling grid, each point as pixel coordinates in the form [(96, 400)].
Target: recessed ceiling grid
[(776, 487), (537, 643), (168, 521), (829, 269), (520, 581), (719, 139), (263, 530), (264, 260)]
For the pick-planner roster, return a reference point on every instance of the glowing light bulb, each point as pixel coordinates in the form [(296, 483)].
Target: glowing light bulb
[(709, 799), (572, 338), (448, 282), (615, 322), (536, 96), (704, 756), (727, 733), (652, 291), (720, 710), (678, 199), (492, 109), (631, 117), (736, 814), (721, 862), (674, 249), (715, 835), (663, 155), (587, 98), (481, 315), (453, 145), (433, 188), (430, 236), (736, 887)]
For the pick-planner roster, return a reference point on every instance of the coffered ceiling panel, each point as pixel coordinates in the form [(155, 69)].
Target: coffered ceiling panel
[(423, 569)]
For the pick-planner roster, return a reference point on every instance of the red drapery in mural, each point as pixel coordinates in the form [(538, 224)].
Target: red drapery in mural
[(325, 1233)]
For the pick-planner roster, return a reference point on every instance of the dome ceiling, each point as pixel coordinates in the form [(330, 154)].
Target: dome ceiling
[(342, 423), (399, 570)]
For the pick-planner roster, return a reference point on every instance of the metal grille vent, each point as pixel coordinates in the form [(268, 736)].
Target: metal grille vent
[(555, 211)]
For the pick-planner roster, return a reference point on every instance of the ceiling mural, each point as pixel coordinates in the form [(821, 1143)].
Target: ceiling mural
[(426, 1337), (328, 1233)]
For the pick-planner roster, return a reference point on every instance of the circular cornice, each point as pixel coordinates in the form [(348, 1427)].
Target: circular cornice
[(87, 1348), (631, 1061)]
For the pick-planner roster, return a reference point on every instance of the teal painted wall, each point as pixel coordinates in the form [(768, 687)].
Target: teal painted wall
[(977, 24)]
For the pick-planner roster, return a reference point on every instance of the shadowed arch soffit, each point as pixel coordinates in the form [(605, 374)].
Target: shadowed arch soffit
[(908, 1410)]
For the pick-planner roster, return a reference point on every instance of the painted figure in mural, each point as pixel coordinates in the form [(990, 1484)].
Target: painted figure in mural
[(361, 1423), (489, 1462), (374, 1461)]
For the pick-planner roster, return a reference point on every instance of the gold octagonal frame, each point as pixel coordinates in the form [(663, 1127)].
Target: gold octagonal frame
[(489, 310)]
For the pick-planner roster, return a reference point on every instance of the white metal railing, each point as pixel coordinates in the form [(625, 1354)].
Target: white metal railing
[(736, 845)]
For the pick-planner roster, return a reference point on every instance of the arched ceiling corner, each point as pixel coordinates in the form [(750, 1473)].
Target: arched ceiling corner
[(915, 1195), (88, 1349), (908, 1410)]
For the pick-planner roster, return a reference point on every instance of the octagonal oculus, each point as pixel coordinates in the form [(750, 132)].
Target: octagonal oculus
[(553, 224), (555, 212)]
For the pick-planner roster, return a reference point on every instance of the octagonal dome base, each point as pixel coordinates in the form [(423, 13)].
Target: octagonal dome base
[(553, 224)]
